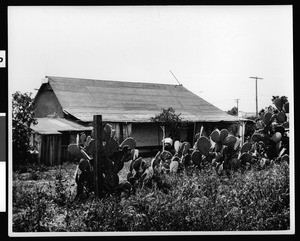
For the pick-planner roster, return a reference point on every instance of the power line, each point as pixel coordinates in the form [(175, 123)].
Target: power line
[(256, 78)]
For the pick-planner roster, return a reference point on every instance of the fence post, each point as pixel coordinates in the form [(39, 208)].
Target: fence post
[(97, 119)]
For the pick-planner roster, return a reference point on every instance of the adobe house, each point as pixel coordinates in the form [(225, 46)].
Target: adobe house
[(127, 106)]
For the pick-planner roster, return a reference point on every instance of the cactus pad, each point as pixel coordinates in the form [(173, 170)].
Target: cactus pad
[(84, 165), (276, 137), (215, 135), (176, 145), (285, 158), (256, 137), (165, 155), (280, 129), (286, 125), (246, 147), (82, 138), (259, 125), (91, 148), (237, 143), (118, 166), (186, 148), (107, 164), (87, 141), (130, 142), (230, 140), (134, 153), (74, 150), (112, 180), (281, 117), (278, 103), (196, 157), (223, 134), (203, 145), (174, 166), (286, 107), (111, 147), (245, 158), (267, 118), (136, 164)]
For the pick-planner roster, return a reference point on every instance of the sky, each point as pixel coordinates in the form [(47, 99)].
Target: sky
[(212, 50)]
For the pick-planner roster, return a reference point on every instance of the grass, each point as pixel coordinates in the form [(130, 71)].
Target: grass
[(197, 201)]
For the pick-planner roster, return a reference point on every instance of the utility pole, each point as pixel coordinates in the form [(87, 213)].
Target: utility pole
[(237, 105), (256, 78)]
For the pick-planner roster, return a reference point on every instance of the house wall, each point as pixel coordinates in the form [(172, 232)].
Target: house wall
[(51, 150), (150, 134), (146, 134), (122, 131), (47, 104)]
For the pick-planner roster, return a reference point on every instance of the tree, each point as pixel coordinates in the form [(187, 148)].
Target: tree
[(233, 111), (22, 119), (168, 118)]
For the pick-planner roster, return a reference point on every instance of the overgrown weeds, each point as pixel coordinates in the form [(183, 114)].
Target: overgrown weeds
[(197, 201)]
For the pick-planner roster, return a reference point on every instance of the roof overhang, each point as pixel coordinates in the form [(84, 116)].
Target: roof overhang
[(55, 126)]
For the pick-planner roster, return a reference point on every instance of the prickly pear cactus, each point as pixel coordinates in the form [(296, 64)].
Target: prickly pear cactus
[(272, 141), (196, 157), (203, 145), (112, 161)]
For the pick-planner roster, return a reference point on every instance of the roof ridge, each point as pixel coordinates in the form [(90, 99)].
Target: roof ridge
[(117, 81)]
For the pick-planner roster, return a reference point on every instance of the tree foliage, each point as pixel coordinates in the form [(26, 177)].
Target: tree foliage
[(233, 111), (22, 119), (170, 119)]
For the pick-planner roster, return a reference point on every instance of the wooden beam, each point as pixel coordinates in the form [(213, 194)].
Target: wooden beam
[(194, 133), (98, 155)]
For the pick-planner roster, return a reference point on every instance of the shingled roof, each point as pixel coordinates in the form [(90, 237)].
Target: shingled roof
[(119, 101)]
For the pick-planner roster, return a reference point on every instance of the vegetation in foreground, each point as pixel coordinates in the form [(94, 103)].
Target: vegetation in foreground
[(258, 199)]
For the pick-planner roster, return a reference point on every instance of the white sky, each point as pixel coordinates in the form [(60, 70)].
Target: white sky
[(212, 50)]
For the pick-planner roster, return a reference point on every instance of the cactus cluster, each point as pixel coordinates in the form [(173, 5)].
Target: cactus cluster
[(221, 150), (112, 161), (271, 137)]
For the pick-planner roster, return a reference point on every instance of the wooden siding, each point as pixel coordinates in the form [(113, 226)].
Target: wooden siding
[(147, 134), (47, 104), (51, 150)]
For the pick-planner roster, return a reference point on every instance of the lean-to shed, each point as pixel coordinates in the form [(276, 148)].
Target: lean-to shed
[(51, 137), (127, 106)]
